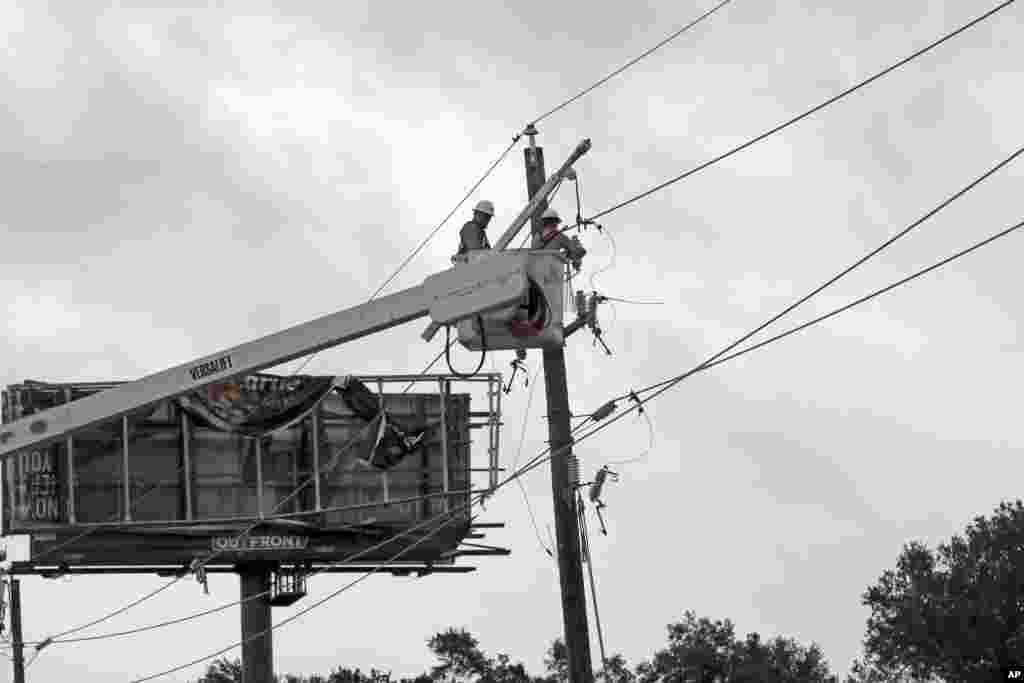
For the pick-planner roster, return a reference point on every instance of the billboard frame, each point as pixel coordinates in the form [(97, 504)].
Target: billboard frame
[(439, 559)]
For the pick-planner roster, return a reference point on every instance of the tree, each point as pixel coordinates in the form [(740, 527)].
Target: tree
[(615, 670), (706, 651), (460, 655), (556, 662), (956, 613), (223, 670), (501, 670), (698, 650)]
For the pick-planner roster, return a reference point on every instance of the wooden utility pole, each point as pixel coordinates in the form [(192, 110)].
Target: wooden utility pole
[(17, 641), (257, 636), (570, 569)]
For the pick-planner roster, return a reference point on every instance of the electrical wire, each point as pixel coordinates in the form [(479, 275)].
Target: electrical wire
[(809, 112), (127, 607), (526, 415), (581, 519), (856, 264), (661, 387), (519, 453), (611, 262), (452, 517), (630, 63), (514, 477), (60, 636), (439, 356), (111, 519), (451, 514), (448, 351), (650, 444), (632, 302)]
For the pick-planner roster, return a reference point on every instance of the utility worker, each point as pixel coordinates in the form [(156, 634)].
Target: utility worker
[(551, 237), (530, 319), (474, 233)]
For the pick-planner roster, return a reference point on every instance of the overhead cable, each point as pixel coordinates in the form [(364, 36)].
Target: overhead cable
[(452, 516), (60, 636), (661, 387), (856, 264), (809, 112), (630, 63)]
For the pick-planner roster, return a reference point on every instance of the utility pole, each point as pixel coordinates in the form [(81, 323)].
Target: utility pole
[(570, 569), (257, 636), (17, 641)]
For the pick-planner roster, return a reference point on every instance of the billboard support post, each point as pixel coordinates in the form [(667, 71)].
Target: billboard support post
[(257, 636), (186, 457), (125, 472), (314, 427), (69, 477)]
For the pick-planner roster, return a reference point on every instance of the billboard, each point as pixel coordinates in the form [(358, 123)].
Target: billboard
[(263, 467)]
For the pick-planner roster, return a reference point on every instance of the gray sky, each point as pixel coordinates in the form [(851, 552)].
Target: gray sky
[(179, 181)]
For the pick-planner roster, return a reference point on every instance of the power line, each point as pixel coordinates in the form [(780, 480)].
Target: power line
[(665, 385), (859, 262), (864, 299), (452, 516), (220, 608), (805, 114), (631, 62), (206, 560), (112, 518)]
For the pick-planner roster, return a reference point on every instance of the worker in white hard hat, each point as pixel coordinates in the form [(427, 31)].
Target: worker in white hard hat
[(552, 237), (474, 233)]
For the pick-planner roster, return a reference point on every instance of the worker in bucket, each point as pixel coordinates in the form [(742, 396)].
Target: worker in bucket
[(474, 233), (552, 237)]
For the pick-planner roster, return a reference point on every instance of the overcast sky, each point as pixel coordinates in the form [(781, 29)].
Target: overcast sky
[(179, 181)]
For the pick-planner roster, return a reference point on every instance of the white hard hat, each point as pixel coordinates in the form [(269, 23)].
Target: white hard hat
[(549, 214), (485, 206)]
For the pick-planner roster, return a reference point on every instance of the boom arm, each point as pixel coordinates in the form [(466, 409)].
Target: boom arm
[(447, 297)]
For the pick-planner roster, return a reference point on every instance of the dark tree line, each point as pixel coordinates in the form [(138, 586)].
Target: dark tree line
[(950, 615), (698, 651)]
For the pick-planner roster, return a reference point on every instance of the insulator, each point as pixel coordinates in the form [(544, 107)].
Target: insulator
[(592, 308), (574, 470), (595, 488), (604, 411), (581, 304)]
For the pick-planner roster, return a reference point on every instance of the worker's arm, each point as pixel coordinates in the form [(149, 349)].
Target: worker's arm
[(571, 245)]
